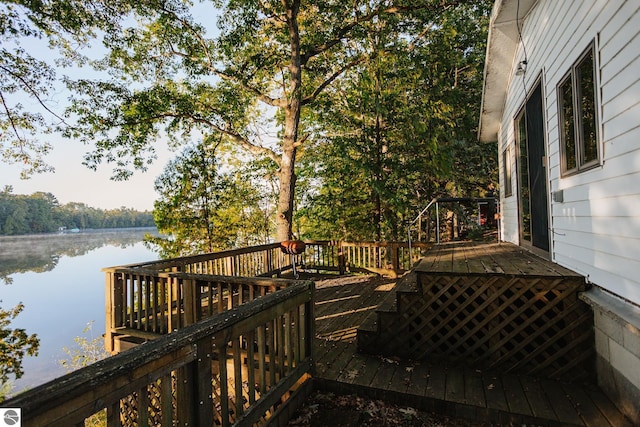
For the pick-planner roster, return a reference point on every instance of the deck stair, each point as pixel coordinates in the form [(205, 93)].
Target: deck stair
[(487, 307)]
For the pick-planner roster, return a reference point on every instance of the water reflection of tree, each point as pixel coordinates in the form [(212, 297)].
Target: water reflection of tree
[(41, 253)]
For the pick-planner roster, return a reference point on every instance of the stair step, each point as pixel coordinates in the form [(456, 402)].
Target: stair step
[(370, 328), (370, 323)]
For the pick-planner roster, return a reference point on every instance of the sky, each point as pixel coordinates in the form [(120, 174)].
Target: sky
[(74, 182)]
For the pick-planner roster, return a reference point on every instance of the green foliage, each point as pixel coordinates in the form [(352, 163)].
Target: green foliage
[(399, 81), (5, 390), (41, 213), (204, 209), (29, 81), (88, 349), (250, 78), (14, 345), (399, 129)]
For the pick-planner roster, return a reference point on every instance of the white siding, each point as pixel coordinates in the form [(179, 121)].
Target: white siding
[(596, 230)]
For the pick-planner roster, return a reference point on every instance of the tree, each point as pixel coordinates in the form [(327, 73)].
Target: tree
[(14, 345), (267, 61), (202, 208), (399, 130), (41, 213), (28, 81)]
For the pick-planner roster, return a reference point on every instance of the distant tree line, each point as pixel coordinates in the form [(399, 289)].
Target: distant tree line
[(42, 213)]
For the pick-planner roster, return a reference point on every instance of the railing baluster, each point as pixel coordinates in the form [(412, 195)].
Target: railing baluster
[(143, 406), (122, 283), (177, 293), (203, 384), (271, 340), (262, 354), (251, 366), (288, 341), (139, 301), (220, 297), (297, 334), (280, 340), (237, 376), (166, 400), (113, 415), (224, 382)]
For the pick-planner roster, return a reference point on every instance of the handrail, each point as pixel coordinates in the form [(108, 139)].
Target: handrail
[(186, 375), (268, 260), (437, 201), (152, 298), (159, 265)]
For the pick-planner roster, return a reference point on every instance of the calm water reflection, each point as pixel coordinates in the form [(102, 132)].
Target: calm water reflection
[(58, 279)]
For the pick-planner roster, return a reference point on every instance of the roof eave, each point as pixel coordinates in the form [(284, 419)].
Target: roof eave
[(502, 42)]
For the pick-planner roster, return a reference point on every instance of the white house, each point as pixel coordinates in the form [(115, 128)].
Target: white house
[(562, 100)]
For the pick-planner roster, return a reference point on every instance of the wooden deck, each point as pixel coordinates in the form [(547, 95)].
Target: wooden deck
[(488, 307), (487, 396), (490, 258)]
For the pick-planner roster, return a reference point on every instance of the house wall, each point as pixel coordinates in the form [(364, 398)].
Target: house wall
[(595, 230)]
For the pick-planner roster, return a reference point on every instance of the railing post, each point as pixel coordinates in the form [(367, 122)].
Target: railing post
[(230, 266), (395, 257), (113, 305), (190, 301), (203, 399), (185, 395), (342, 264)]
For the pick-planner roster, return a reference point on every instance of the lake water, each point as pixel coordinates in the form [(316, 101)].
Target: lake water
[(59, 280)]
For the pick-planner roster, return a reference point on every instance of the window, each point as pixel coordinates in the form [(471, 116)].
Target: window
[(506, 172), (579, 147)]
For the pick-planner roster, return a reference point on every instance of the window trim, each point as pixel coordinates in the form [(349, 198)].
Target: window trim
[(507, 171), (578, 136)]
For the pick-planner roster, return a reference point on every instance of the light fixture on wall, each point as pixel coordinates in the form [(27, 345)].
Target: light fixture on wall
[(522, 68)]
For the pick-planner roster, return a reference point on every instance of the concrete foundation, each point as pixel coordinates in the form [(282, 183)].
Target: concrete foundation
[(617, 336)]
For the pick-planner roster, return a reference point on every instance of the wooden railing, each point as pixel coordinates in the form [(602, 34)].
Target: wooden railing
[(382, 257), (143, 304), (152, 298), (269, 260), (232, 368), (377, 257), (263, 260), (148, 299), (219, 349)]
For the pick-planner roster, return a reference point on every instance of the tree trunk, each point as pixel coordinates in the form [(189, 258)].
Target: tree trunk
[(286, 195), (284, 217)]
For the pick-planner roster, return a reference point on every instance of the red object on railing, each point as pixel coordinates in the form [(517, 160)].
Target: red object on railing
[(293, 247)]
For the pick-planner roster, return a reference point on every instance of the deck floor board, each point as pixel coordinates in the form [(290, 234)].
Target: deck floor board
[(343, 303)]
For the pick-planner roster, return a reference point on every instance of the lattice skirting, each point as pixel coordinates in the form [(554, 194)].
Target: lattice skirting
[(527, 325)]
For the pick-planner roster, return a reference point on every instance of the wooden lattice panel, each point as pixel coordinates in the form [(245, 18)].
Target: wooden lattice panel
[(153, 398), (520, 324)]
